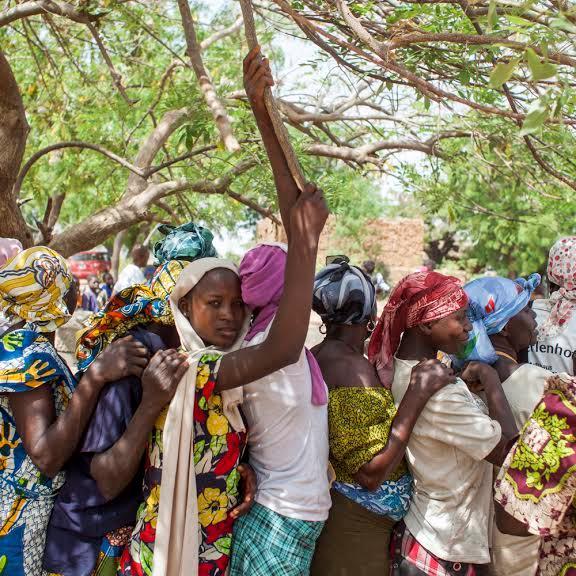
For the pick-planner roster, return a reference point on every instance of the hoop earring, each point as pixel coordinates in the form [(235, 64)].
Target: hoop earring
[(320, 328), (371, 326)]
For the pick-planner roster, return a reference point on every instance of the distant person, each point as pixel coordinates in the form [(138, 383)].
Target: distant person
[(106, 289), (377, 279), (133, 273), (556, 346), (90, 294)]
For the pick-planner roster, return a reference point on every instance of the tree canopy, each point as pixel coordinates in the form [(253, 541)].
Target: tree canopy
[(462, 112)]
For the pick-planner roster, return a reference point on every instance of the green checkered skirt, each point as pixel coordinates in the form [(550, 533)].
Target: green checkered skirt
[(268, 544)]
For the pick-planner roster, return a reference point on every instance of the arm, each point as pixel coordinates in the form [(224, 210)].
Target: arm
[(115, 468), (426, 379), (257, 78), (290, 325), (50, 441), (498, 407), (507, 524)]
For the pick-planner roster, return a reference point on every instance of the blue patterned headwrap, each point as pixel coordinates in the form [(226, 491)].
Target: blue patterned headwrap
[(493, 302), (187, 242)]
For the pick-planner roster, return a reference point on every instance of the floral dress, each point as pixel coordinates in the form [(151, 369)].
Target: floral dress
[(27, 360), (217, 451), (537, 483)]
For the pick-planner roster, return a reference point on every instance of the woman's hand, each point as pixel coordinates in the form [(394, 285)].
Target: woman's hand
[(257, 77), (161, 377), (430, 376), (478, 376), (124, 357), (308, 216), (249, 486)]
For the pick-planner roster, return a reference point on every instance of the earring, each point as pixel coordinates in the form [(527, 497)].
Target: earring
[(320, 328), (371, 325)]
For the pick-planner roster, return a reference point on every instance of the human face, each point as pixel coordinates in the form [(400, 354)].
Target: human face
[(108, 279), (215, 308), (93, 283), (450, 334), (521, 329)]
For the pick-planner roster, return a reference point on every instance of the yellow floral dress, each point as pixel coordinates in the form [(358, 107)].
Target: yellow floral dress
[(217, 451)]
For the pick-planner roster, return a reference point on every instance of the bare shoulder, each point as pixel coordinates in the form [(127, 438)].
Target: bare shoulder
[(346, 369)]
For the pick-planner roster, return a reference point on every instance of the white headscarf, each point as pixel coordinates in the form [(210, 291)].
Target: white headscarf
[(176, 547)]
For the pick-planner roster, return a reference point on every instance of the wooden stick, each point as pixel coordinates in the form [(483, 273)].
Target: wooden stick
[(277, 123)]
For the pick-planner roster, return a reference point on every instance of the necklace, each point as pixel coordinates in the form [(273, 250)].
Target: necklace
[(504, 355)]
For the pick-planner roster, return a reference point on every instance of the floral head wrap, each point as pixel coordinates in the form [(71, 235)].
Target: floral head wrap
[(561, 271), (493, 302), (418, 298), (343, 294), (140, 304), (33, 285)]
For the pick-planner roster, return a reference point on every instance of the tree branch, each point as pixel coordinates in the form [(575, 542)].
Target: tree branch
[(33, 8), (206, 86), (73, 144), (232, 29)]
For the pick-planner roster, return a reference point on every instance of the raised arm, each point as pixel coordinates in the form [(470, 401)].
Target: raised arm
[(50, 441), (257, 77), (290, 325), (427, 378), (115, 468)]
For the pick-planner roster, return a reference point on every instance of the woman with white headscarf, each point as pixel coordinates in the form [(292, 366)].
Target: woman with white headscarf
[(555, 349)]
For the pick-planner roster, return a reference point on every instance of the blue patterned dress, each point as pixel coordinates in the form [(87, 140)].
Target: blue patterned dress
[(27, 361)]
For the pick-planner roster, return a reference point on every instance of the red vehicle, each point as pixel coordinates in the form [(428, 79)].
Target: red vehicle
[(85, 264)]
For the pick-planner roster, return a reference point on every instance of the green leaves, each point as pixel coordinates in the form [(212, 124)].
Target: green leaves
[(538, 113), (539, 70), (492, 15), (503, 72)]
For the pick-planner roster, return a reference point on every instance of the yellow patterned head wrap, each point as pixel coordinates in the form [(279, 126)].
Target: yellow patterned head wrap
[(33, 285)]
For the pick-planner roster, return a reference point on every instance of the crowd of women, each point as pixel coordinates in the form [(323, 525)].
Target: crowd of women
[(200, 436)]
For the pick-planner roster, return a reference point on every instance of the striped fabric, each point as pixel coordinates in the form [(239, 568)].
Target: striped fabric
[(268, 544), (406, 550)]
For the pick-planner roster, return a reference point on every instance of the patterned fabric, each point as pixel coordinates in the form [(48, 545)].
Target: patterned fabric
[(392, 498), (113, 545), (165, 278), (418, 298), (359, 421), (406, 550), (343, 294), (561, 271), (32, 288), (262, 278), (27, 361), (9, 247), (217, 451), (127, 309), (268, 544), (537, 483), (187, 242), (493, 301)]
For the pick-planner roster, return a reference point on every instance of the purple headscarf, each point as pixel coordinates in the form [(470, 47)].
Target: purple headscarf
[(262, 278), (9, 247)]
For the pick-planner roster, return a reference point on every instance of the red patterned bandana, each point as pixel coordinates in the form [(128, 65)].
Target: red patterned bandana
[(418, 298)]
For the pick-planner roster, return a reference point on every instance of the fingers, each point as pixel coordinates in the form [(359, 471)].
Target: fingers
[(249, 488), (250, 57), (181, 369), (262, 74), (309, 188)]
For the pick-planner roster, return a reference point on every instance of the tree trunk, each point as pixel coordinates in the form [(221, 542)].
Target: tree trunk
[(13, 134)]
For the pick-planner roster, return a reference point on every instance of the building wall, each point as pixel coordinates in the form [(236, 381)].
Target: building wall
[(396, 244)]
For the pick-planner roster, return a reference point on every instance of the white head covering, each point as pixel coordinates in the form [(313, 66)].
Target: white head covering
[(176, 547)]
